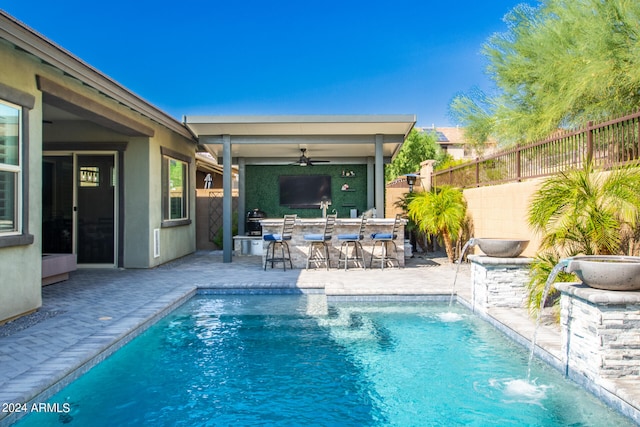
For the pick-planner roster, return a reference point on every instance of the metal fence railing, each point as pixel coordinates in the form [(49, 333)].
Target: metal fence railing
[(611, 143)]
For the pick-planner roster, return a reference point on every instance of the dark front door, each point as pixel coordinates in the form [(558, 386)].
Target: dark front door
[(95, 178)]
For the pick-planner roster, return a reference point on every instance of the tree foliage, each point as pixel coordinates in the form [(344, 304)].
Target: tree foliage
[(581, 212), (441, 211), (585, 211), (418, 147), (558, 65)]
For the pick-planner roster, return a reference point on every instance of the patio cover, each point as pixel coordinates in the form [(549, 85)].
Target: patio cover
[(349, 139)]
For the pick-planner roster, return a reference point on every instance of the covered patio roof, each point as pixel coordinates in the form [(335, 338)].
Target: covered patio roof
[(278, 139), (244, 140)]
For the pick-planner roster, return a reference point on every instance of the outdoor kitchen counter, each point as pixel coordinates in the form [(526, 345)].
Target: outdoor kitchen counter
[(299, 248)]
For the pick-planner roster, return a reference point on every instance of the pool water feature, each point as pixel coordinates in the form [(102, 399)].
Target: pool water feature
[(559, 267), (294, 360), (470, 242)]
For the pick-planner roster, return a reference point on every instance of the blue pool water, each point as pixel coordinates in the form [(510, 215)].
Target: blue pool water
[(291, 361)]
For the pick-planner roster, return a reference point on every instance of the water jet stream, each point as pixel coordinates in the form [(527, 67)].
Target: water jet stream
[(560, 266), (470, 242)]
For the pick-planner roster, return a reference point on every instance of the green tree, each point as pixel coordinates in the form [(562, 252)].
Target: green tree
[(418, 147), (557, 65), (441, 211), (582, 211), (474, 109)]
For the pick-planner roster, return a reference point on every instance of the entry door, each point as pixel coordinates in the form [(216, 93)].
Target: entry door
[(95, 208), (79, 204)]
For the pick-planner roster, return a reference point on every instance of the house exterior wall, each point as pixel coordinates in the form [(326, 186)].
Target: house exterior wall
[(138, 234), (142, 184), (20, 266), (177, 241)]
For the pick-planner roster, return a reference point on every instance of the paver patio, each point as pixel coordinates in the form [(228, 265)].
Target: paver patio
[(86, 318)]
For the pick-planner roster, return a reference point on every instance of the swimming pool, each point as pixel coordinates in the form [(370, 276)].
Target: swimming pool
[(294, 360)]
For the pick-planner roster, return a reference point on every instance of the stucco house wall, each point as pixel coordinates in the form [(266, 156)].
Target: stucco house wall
[(20, 266), (141, 158), (177, 241)]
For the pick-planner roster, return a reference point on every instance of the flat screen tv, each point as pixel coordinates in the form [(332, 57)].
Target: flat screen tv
[(304, 191)]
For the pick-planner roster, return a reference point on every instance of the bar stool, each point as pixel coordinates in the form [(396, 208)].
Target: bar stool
[(384, 239), (280, 239), (321, 240), (352, 239)]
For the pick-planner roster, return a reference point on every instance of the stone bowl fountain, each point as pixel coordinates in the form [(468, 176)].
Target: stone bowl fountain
[(502, 248), (608, 272)]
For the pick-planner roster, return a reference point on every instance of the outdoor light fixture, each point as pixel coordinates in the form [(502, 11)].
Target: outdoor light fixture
[(411, 179)]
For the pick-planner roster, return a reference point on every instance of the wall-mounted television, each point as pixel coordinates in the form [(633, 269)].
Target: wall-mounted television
[(304, 191)]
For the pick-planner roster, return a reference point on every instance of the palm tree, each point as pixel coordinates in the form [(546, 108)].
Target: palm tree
[(584, 212), (440, 211), (411, 227)]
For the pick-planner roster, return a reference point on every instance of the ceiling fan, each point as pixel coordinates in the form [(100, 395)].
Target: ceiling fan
[(306, 161)]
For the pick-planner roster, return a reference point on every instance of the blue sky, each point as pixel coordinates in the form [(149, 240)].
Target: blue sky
[(280, 57)]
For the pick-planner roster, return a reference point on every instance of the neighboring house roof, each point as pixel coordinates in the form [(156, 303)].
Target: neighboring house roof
[(206, 162), (454, 137), (34, 43), (447, 135)]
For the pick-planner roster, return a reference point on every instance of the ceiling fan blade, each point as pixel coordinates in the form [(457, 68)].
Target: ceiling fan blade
[(307, 161)]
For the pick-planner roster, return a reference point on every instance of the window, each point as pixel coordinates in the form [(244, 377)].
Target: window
[(10, 169), (175, 187)]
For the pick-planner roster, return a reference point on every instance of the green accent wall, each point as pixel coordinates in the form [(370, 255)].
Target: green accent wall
[(262, 189)]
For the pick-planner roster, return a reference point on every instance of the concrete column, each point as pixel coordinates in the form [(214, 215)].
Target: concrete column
[(242, 206), (370, 182), (379, 177), (227, 237), (426, 169)]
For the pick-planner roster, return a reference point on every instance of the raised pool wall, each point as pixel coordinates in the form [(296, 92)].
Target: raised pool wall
[(601, 338), (499, 282), (599, 330)]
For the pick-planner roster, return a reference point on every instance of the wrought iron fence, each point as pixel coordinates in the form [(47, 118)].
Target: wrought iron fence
[(608, 144)]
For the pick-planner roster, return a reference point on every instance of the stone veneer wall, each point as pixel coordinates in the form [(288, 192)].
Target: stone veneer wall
[(300, 248), (499, 282), (600, 332)]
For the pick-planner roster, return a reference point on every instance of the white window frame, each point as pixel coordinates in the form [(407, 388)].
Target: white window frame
[(17, 170)]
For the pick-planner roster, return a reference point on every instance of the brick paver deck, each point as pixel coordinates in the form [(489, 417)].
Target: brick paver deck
[(97, 311)]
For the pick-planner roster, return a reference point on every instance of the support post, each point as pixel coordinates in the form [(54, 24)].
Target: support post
[(242, 205), (379, 177), (370, 182), (227, 237)]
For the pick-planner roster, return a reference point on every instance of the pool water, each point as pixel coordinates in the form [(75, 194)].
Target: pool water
[(292, 360)]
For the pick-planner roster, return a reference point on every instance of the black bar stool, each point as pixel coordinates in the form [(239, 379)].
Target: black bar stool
[(385, 239), (352, 239), (280, 239), (321, 240)]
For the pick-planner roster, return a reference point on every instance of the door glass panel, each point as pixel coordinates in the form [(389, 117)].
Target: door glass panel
[(57, 205), (96, 191)]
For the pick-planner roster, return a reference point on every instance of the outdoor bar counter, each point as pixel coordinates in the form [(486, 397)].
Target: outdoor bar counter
[(299, 248)]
